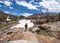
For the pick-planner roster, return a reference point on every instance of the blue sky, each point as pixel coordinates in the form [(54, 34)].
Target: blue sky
[(28, 7)]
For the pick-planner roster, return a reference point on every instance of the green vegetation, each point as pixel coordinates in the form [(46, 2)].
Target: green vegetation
[(21, 17)]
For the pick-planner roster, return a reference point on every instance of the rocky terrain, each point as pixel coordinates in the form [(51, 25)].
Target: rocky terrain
[(46, 29), (17, 36), (44, 18)]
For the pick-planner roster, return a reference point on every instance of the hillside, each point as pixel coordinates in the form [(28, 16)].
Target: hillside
[(13, 19), (44, 18), (3, 16), (45, 28)]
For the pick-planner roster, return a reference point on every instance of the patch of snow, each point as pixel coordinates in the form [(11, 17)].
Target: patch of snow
[(22, 24), (18, 41), (8, 19)]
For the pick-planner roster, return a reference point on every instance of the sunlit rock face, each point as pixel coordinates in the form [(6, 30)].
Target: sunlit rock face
[(18, 41), (24, 37), (35, 28), (22, 24)]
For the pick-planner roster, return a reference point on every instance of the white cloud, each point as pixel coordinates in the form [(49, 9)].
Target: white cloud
[(26, 14), (28, 5), (7, 3), (6, 12), (36, 5), (1, 2), (44, 10), (31, 1), (11, 7), (51, 5)]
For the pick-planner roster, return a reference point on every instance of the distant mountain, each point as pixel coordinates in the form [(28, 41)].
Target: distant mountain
[(3, 16)]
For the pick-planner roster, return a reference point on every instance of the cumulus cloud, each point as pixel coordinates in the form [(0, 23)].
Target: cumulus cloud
[(28, 5), (1, 2), (51, 5), (26, 14), (6, 12), (7, 3)]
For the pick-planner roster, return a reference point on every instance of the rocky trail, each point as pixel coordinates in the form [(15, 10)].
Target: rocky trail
[(25, 37), (17, 35)]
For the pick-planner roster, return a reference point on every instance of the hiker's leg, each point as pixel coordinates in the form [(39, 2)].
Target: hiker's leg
[(25, 29)]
